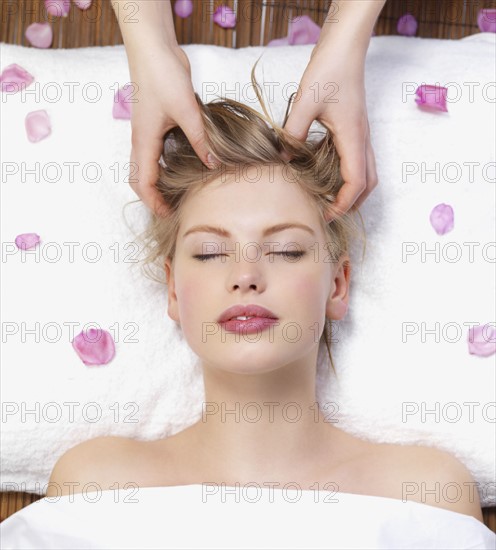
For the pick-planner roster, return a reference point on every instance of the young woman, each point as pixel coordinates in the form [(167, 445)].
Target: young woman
[(255, 275)]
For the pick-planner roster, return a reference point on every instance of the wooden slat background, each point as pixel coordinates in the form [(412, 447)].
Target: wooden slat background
[(258, 21), (11, 502)]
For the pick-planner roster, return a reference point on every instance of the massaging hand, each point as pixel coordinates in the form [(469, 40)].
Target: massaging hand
[(165, 99), (339, 58), (332, 91)]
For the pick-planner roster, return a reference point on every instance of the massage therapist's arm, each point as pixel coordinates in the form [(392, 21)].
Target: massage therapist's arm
[(336, 72), (161, 72)]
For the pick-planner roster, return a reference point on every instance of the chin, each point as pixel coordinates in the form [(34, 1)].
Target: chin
[(250, 358)]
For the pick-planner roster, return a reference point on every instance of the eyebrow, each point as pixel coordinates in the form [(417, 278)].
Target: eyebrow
[(268, 231)]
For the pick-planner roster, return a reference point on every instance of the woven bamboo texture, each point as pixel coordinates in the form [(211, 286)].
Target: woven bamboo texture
[(258, 21)]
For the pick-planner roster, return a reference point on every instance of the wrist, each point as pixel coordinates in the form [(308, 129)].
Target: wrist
[(349, 25), (145, 23), (156, 56)]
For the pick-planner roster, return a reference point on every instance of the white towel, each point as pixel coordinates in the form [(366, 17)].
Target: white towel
[(153, 387), (238, 517)]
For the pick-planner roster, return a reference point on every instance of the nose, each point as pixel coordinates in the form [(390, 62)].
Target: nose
[(246, 276), (243, 285)]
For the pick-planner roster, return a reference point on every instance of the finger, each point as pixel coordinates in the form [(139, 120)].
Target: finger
[(192, 126), (299, 120), (351, 147), (298, 123), (144, 175), (372, 179)]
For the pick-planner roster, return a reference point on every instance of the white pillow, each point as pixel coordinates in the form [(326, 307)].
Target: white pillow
[(153, 386)]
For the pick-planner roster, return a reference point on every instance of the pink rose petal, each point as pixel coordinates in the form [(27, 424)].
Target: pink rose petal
[(442, 218), (94, 347), (225, 17), (40, 35), (433, 97), (37, 125), (14, 77), (482, 340), (25, 241), (183, 8), (58, 8), (486, 19), (82, 4), (278, 42), (123, 103), (407, 25), (303, 30)]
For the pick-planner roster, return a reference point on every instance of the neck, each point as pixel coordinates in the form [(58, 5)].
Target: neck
[(263, 426)]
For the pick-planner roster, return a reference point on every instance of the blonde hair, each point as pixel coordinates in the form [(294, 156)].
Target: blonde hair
[(239, 136)]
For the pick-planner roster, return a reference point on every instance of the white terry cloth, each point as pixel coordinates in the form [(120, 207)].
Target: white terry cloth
[(217, 517), (153, 387)]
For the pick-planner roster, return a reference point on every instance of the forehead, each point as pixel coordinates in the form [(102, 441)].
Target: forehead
[(259, 194)]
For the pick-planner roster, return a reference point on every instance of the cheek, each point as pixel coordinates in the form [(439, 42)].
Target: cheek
[(196, 302), (188, 293), (307, 290)]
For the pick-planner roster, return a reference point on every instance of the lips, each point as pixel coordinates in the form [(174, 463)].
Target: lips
[(249, 310)]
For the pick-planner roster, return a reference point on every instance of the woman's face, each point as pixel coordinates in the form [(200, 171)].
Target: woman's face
[(289, 272)]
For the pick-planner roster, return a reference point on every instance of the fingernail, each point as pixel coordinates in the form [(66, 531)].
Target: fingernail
[(212, 162)]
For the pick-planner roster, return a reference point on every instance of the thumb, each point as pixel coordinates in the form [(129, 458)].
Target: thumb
[(193, 128), (143, 174), (298, 123)]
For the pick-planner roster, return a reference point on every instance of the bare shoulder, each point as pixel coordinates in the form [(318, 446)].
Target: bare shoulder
[(429, 476), (100, 463)]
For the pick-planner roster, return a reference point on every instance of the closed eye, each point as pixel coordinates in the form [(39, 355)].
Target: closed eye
[(288, 254), (206, 257)]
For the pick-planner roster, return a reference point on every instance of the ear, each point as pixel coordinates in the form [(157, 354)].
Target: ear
[(172, 308), (337, 302)]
